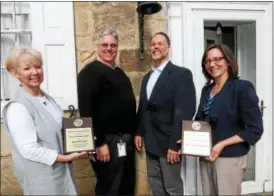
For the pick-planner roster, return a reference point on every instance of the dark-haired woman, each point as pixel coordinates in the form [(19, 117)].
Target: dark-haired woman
[(230, 105)]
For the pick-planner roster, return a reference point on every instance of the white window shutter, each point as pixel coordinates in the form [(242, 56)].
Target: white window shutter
[(53, 36)]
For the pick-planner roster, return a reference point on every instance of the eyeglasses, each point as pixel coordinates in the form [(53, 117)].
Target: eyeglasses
[(214, 60), (106, 45), (160, 44)]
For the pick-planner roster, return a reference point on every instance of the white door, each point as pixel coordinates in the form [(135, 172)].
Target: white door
[(255, 58)]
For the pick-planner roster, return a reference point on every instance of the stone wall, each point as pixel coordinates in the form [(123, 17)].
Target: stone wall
[(9, 184), (90, 19)]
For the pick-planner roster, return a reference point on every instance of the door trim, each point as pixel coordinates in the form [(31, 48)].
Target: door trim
[(268, 186)]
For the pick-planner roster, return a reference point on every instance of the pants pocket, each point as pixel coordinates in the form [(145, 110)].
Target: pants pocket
[(242, 162)]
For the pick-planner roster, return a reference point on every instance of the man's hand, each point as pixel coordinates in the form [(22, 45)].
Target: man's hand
[(173, 156), (216, 151), (180, 151), (103, 153), (138, 143)]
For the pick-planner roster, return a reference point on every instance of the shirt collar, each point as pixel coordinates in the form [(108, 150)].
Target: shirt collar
[(161, 67), (115, 66)]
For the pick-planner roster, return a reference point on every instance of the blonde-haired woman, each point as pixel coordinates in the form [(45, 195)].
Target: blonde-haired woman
[(34, 122)]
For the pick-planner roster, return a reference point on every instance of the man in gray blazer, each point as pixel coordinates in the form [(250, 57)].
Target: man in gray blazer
[(167, 97)]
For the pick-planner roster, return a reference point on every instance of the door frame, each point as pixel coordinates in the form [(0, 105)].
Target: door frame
[(191, 16)]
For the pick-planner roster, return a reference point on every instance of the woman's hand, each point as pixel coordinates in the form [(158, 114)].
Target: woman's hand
[(216, 151), (75, 155), (173, 156), (69, 157)]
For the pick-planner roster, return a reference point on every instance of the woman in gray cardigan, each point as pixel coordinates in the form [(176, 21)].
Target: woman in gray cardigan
[(34, 121)]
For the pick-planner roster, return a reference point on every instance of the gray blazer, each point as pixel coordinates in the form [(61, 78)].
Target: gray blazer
[(37, 178)]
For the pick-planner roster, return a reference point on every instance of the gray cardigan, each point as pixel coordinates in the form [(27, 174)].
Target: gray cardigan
[(37, 178)]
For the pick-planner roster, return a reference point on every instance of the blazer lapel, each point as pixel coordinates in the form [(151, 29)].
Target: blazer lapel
[(204, 95), (220, 101), (161, 80), (144, 89)]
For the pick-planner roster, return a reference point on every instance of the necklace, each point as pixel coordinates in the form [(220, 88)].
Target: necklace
[(43, 100)]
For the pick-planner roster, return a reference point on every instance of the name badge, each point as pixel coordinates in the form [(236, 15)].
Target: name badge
[(121, 149)]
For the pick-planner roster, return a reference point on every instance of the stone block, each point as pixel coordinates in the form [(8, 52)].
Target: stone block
[(142, 184), (121, 16), (84, 58), (5, 142), (9, 184), (151, 27), (129, 60), (82, 22), (85, 43), (148, 59), (82, 168), (136, 81), (81, 4), (86, 186), (102, 8)]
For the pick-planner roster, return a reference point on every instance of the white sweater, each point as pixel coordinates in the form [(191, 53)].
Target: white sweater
[(23, 132)]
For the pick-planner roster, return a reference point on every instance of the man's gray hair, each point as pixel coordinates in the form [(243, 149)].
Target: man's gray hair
[(110, 31)]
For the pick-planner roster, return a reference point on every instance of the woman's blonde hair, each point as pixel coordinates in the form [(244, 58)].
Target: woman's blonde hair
[(14, 55)]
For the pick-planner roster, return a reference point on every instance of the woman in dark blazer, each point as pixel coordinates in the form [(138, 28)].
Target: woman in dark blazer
[(230, 106)]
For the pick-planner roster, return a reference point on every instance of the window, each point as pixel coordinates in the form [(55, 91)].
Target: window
[(15, 31), (49, 28)]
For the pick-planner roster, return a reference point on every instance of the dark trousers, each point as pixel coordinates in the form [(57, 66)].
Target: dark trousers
[(116, 177), (164, 178)]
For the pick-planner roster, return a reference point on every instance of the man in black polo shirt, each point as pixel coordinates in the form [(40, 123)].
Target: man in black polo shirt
[(105, 94)]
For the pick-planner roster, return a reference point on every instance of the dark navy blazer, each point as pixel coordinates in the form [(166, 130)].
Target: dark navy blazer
[(235, 111), (172, 100)]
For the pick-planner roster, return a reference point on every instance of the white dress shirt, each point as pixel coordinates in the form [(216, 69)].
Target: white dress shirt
[(155, 73), (23, 132)]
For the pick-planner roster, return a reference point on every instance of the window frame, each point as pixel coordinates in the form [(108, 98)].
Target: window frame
[(53, 29), (16, 31)]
